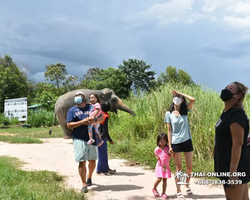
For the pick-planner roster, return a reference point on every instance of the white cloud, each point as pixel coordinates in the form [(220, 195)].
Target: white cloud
[(231, 12), (242, 8), (164, 13), (210, 6), (217, 6), (238, 22), (190, 11), (238, 14)]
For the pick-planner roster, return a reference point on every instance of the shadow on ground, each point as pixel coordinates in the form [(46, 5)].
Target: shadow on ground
[(100, 188), (128, 174), (198, 197), (207, 196), (142, 198)]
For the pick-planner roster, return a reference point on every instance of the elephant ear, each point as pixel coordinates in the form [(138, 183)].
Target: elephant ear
[(106, 94), (102, 96)]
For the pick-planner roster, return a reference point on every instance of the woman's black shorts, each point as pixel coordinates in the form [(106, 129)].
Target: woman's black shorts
[(186, 146)]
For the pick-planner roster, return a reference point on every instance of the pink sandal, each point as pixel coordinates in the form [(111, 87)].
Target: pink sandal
[(164, 196), (155, 193), (91, 141)]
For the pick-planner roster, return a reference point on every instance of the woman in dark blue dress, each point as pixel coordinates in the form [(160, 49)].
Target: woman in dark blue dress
[(102, 165)]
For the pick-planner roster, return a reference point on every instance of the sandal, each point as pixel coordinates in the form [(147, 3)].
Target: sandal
[(164, 196), (180, 196), (189, 191), (155, 193), (91, 141), (111, 171)]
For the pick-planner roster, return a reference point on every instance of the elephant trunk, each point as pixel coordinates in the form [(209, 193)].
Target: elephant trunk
[(123, 107)]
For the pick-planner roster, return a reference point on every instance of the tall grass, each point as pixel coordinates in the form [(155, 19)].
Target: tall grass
[(135, 137), (40, 118)]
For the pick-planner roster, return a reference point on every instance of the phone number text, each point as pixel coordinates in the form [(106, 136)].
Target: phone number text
[(218, 182)]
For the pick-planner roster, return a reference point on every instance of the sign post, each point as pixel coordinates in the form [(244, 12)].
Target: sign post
[(16, 108)]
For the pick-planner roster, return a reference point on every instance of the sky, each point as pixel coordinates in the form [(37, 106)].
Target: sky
[(209, 39)]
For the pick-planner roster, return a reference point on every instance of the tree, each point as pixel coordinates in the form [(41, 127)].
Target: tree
[(13, 82), (113, 79), (44, 93), (6, 61), (184, 78), (56, 72), (172, 75), (89, 77), (71, 83), (42, 86), (47, 99), (137, 73)]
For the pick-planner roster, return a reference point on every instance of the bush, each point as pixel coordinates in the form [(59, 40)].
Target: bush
[(40, 118), (36, 118), (8, 121)]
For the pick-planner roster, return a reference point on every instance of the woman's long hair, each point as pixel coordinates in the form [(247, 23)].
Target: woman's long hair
[(183, 108), (105, 106), (242, 89)]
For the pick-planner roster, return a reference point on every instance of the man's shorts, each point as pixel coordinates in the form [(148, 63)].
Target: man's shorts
[(84, 151), (186, 146)]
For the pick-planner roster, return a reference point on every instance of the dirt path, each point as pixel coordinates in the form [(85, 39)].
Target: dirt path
[(129, 183)]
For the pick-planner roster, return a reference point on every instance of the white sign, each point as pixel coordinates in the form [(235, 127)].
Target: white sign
[(16, 108)]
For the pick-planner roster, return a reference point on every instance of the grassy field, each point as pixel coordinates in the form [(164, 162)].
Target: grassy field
[(27, 135)]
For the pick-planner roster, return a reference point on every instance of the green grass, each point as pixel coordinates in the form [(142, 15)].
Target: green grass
[(19, 139), (28, 135), (17, 184)]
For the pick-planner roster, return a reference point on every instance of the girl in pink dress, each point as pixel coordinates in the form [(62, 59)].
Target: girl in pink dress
[(94, 114), (162, 170)]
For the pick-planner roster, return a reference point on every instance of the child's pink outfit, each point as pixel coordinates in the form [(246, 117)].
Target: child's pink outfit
[(162, 169), (95, 125), (96, 106)]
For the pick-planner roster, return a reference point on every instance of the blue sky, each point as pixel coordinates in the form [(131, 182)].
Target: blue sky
[(209, 39)]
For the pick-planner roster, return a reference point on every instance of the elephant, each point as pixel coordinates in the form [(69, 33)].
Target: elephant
[(66, 101)]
